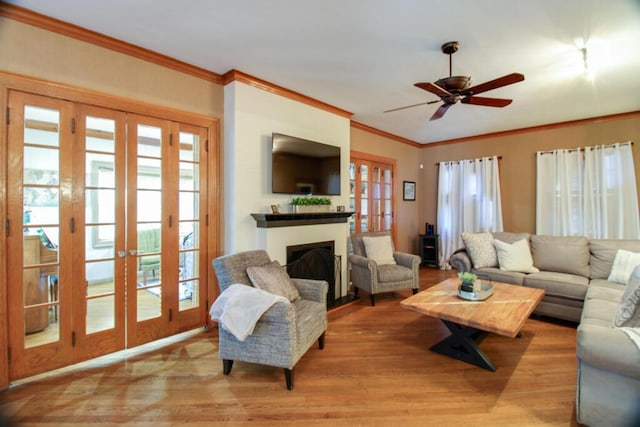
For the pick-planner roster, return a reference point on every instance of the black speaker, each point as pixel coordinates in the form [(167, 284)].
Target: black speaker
[(429, 228)]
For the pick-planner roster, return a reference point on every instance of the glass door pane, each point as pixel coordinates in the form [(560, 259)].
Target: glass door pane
[(41, 225), (364, 197), (149, 221), (189, 218), (100, 224)]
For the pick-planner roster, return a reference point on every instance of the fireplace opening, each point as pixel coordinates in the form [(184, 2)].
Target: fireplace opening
[(316, 261)]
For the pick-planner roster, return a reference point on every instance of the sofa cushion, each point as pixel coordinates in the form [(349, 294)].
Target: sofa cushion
[(623, 265), (558, 284), (628, 313), (497, 275), (568, 254), (603, 252), (514, 257), (604, 290), (480, 249), (394, 273), (273, 278), (508, 237), (379, 249)]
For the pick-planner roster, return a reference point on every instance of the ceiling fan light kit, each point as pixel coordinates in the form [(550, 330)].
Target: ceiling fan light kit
[(458, 88)]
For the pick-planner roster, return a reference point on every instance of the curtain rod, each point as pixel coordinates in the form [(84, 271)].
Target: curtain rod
[(590, 148), (470, 160)]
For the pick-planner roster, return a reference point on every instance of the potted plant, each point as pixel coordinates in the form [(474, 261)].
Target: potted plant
[(467, 280), (310, 204)]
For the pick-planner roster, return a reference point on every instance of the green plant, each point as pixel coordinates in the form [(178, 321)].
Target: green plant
[(467, 277), (310, 200)]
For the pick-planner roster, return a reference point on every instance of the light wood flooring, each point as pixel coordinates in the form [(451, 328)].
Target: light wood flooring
[(375, 370)]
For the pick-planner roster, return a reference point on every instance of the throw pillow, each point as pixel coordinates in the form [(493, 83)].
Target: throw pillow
[(515, 257), (629, 309), (273, 278), (379, 249), (480, 249), (623, 265)]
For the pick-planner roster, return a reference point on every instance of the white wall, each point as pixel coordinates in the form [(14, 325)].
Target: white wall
[(251, 115)]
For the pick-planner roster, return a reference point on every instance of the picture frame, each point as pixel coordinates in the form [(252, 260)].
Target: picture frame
[(408, 190)]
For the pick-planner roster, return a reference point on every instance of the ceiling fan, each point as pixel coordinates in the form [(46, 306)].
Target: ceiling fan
[(456, 88)]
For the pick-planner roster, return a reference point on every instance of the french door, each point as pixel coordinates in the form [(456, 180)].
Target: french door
[(105, 231), (371, 194)]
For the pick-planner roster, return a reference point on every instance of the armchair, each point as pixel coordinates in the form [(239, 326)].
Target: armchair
[(374, 277), (285, 331)]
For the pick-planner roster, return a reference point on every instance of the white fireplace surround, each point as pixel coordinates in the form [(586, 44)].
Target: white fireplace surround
[(276, 240)]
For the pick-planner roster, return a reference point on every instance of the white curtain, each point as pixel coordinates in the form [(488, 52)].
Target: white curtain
[(588, 192), (468, 201)]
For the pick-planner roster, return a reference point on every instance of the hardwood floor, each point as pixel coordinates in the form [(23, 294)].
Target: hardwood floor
[(376, 370)]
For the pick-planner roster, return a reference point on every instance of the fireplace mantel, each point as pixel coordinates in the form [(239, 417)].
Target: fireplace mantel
[(270, 220)]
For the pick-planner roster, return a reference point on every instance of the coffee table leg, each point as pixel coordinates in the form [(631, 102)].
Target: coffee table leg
[(462, 344)]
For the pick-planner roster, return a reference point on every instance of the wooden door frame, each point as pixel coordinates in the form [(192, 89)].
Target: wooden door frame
[(12, 81), (359, 155)]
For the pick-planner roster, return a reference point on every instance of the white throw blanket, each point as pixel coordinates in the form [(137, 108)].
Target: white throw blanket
[(239, 308)]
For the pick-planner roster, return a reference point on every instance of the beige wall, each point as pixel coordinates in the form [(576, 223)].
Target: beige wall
[(518, 163), (407, 159), (34, 52)]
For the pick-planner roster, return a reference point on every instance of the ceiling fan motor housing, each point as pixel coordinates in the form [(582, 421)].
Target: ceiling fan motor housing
[(454, 84)]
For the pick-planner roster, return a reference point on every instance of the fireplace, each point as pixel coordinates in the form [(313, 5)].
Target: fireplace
[(316, 261)]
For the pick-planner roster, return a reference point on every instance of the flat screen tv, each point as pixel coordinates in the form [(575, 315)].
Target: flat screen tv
[(300, 166)]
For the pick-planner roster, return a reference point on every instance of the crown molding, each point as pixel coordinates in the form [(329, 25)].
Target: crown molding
[(239, 76), (367, 128), (38, 20), (538, 128)]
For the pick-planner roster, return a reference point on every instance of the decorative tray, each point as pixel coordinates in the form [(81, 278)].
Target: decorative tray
[(483, 294)]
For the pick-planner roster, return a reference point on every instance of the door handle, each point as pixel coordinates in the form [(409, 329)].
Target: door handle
[(121, 254), (133, 252)]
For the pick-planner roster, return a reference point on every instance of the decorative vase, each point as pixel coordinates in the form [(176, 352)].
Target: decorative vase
[(467, 286)]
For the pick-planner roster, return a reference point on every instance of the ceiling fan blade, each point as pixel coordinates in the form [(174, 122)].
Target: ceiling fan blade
[(433, 88), (494, 84), (487, 102), (410, 106), (440, 111)]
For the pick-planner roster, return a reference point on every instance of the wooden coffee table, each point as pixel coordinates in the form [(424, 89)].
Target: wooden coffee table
[(503, 313)]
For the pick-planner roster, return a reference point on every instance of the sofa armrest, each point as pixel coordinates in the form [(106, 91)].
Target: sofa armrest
[(609, 349), (312, 290), (407, 260), (359, 261), (461, 261)]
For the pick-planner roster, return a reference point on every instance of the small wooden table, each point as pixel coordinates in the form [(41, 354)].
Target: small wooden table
[(503, 313)]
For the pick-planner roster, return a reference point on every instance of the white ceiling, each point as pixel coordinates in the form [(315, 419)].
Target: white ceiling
[(364, 56)]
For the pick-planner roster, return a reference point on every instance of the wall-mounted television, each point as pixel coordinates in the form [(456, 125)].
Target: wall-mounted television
[(300, 166)]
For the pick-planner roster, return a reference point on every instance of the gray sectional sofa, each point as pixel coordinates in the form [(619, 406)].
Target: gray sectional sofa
[(574, 273)]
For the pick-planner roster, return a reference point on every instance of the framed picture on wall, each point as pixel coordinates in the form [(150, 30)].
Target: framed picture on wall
[(408, 190)]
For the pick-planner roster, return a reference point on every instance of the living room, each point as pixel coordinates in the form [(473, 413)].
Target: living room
[(38, 51)]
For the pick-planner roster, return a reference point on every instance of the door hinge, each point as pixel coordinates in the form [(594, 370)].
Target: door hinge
[(6, 227), (170, 140), (72, 224), (206, 146), (73, 125), (9, 353), (206, 220), (73, 338), (8, 116), (170, 314), (170, 220)]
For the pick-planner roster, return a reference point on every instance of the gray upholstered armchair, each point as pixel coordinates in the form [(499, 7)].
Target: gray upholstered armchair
[(285, 331), (375, 277)]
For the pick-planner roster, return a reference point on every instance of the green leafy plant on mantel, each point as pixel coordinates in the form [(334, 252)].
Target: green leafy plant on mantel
[(310, 201)]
